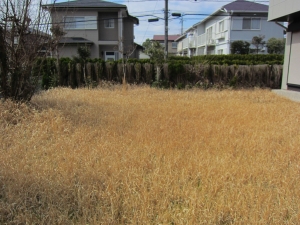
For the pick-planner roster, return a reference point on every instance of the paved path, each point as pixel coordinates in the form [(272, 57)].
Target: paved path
[(293, 95)]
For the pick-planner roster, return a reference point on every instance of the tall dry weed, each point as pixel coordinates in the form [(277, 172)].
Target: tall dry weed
[(150, 157)]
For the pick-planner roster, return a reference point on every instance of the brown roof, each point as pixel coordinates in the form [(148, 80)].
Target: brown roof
[(162, 37)]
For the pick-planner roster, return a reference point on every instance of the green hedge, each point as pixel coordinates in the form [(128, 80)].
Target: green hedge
[(205, 71), (269, 59)]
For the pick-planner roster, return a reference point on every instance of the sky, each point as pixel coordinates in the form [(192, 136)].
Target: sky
[(145, 29)]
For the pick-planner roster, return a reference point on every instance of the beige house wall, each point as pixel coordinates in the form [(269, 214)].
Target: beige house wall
[(108, 34), (280, 8), (101, 36)]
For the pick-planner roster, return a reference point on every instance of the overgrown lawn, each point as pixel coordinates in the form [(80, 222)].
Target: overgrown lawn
[(148, 156)]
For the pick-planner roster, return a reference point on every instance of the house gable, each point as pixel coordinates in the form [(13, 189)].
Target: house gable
[(101, 23)]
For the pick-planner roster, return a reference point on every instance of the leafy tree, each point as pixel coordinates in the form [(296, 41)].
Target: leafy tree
[(276, 45), (156, 53), (240, 47), (258, 42), (154, 49)]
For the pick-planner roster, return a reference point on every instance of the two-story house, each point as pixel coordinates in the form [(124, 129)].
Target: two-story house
[(106, 27), (172, 45), (289, 11), (238, 20)]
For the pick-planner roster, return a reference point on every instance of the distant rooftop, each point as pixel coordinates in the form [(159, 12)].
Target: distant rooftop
[(243, 5), (86, 4), (162, 37)]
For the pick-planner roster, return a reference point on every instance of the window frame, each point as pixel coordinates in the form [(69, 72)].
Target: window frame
[(221, 24), (80, 22), (251, 19), (110, 23), (209, 33), (174, 43)]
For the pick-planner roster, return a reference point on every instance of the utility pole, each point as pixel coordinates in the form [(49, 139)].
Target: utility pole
[(166, 29), (181, 25)]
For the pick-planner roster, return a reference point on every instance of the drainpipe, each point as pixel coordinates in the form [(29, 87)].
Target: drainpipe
[(120, 32), (229, 32)]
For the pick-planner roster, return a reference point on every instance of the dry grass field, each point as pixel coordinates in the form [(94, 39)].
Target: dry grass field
[(147, 156)]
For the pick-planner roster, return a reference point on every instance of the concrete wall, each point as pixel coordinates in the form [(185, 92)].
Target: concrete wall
[(281, 8), (269, 29), (201, 29), (100, 35), (89, 34), (291, 75), (108, 34), (128, 35), (288, 10)]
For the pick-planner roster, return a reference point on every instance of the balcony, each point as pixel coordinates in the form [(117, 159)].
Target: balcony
[(201, 39), (185, 43), (220, 35), (211, 42), (192, 42), (180, 46)]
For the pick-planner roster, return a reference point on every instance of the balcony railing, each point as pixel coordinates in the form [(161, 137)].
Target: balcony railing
[(211, 42), (220, 35), (200, 41), (192, 42), (185, 43), (179, 46)]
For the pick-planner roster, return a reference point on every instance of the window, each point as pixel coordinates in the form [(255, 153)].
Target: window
[(110, 56), (220, 52), (221, 26), (174, 45), (80, 22), (251, 23), (255, 24), (109, 23)]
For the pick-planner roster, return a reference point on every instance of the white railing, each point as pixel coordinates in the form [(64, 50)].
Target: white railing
[(179, 46), (211, 41), (185, 43), (220, 35), (192, 42), (201, 39)]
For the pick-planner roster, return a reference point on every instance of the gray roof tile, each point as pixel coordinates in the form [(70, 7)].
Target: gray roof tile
[(87, 4), (243, 5)]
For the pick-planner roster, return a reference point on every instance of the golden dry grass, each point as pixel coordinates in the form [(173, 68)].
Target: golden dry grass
[(147, 156)]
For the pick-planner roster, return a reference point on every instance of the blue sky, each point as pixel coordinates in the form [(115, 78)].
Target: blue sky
[(156, 8)]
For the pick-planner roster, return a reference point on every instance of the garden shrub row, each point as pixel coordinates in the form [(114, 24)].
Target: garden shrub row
[(180, 72), (253, 59)]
